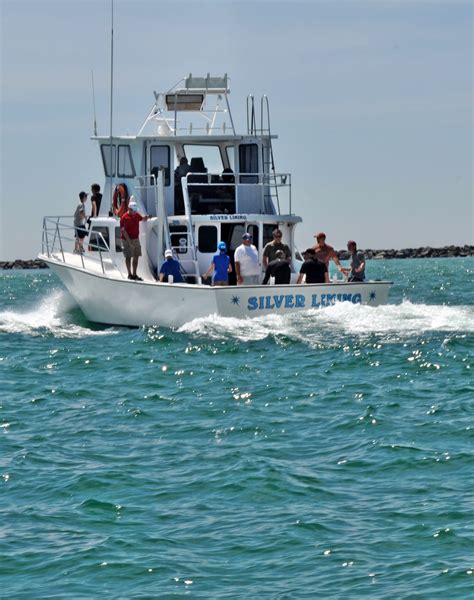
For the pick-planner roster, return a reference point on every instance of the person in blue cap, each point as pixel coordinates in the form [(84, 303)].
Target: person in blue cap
[(220, 265)]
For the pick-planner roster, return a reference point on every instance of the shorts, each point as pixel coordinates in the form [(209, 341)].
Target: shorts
[(81, 233), (220, 282), (132, 248)]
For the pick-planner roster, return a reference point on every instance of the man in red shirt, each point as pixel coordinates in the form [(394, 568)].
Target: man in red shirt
[(130, 229), (324, 252)]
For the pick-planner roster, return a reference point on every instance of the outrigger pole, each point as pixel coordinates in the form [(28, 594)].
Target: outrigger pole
[(111, 102)]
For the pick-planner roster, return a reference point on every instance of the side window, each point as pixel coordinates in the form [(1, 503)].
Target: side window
[(230, 150), (248, 162), (109, 168), (207, 238), (125, 162), (97, 237), (160, 157)]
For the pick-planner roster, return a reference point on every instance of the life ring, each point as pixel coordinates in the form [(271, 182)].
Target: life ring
[(120, 200)]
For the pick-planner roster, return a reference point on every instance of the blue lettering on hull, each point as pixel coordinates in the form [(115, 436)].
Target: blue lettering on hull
[(299, 301)]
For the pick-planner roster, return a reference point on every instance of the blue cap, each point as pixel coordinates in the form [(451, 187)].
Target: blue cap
[(222, 246)]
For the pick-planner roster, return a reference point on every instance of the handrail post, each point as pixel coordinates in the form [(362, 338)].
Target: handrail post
[(101, 260), (45, 237), (60, 240)]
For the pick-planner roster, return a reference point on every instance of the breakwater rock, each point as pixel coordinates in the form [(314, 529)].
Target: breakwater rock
[(423, 252), (35, 263)]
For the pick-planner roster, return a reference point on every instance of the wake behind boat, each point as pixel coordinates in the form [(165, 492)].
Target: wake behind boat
[(229, 189)]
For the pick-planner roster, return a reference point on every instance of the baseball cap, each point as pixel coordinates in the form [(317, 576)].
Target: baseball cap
[(351, 243), (319, 235), (133, 206), (168, 253), (246, 236), (222, 246)]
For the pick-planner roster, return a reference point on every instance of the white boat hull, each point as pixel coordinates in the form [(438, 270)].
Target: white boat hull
[(117, 301)]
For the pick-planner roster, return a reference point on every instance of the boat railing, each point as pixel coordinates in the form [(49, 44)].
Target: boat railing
[(57, 234), (238, 182)]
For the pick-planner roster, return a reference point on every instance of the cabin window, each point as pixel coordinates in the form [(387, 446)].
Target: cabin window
[(109, 167), (248, 162), (230, 151), (160, 157), (268, 228), (204, 159), (253, 230), (99, 239), (207, 238), (118, 240), (238, 231), (125, 162)]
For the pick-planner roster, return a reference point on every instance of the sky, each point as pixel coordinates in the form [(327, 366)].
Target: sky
[(372, 102)]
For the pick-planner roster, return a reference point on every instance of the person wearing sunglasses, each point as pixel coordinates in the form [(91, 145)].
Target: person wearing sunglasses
[(270, 250)]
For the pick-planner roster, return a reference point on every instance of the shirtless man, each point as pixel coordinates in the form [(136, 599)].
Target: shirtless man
[(324, 252)]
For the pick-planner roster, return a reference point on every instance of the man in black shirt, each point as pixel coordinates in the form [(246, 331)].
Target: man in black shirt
[(279, 269), (315, 270), (96, 199)]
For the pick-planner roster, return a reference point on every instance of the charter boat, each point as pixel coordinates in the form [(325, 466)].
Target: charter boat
[(231, 188)]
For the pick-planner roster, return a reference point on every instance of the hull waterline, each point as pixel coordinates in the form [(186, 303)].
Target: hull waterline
[(122, 302)]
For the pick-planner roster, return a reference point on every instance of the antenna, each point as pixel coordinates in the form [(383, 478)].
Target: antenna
[(112, 170), (93, 103)]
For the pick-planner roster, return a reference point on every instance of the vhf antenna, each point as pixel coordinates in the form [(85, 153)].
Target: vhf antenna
[(93, 103)]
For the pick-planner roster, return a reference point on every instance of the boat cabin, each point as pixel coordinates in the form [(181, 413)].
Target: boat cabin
[(199, 180)]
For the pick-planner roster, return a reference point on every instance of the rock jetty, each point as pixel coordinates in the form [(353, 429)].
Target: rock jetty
[(424, 252), (23, 264)]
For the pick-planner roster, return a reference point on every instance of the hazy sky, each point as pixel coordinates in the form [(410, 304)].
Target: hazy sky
[(372, 102)]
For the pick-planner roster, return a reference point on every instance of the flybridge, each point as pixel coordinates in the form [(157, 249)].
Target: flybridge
[(195, 105)]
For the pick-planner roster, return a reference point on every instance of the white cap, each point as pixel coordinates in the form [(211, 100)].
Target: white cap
[(133, 205), (168, 253)]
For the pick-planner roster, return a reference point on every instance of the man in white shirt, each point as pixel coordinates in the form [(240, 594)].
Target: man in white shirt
[(247, 267)]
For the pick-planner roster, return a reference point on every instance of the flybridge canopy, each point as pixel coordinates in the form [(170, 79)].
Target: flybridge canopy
[(195, 105), (212, 85), (191, 97)]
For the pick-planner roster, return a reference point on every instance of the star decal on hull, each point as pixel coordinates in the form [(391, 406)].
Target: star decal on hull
[(235, 300), (372, 296)]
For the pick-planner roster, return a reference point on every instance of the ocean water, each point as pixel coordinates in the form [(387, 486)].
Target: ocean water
[(327, 454)]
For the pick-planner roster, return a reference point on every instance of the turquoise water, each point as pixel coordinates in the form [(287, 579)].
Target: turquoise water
[(321, 455)]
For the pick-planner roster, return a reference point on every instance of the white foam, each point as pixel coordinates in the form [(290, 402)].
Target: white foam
[(317, 325), (49, 318)]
